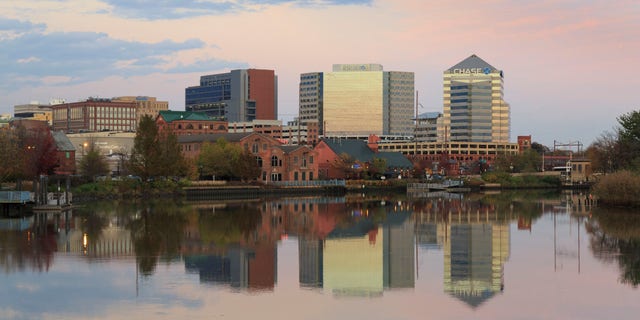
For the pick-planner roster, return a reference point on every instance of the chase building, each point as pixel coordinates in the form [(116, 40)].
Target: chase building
[(474, 109)]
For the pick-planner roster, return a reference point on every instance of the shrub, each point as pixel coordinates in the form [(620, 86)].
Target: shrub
[(618, 189)]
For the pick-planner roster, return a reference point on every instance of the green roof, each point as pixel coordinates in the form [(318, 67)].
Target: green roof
[(169, 116)]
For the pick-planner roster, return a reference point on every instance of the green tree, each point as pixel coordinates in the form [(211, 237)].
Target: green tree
[(528, 161), (10, 155), (155, 153), (377, 167), (246, 168), (217, 159), (93, 163), (539, 148), (629, 140), (171, 162)]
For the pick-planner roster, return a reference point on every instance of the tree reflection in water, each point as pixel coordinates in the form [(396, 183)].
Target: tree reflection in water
[(615, 237), (156, 233)]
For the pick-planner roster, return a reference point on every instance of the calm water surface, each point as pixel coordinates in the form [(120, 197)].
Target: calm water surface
[(499, 256)]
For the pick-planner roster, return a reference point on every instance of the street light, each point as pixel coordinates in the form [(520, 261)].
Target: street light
[(84, 146)]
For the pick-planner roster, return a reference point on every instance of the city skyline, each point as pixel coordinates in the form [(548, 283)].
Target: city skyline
[(569, 66)]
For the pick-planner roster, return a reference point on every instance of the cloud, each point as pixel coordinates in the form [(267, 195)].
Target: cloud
[(11, 29), (34, 58), (169, 9)]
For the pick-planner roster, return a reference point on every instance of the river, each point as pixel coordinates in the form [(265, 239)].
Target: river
[(505, 255)]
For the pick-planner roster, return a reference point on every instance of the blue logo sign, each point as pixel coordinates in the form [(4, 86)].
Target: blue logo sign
[(486, 70)]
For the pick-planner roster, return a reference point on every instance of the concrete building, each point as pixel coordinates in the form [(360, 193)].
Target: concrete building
[(33, 111), (429, 127), (474, 108), (236, 96), (358, 99), (293, 133), (310, 99)]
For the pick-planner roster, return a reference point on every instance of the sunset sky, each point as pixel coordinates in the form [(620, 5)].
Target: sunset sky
[(570, 67)]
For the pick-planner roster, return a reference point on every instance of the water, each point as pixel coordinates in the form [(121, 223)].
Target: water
[(521, 255)]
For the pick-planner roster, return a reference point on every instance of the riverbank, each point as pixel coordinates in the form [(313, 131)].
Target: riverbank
[(212, 190)]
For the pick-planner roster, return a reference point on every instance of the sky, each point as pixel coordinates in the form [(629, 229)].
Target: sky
[(571, 67)]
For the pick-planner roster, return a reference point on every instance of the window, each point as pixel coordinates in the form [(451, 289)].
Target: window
[(274, 161), (254, 148), (259, 161), (295, 176)]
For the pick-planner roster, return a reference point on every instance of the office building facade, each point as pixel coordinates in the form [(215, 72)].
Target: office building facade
[(358, 99), (95, 114), (236, 96), (310, 99), (474, 108)]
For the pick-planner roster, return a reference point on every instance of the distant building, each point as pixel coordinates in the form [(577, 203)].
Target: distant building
[(33, 111), (294, 133), (474, 109), (95, 114), (358, 99), (147, 106), (524, 143), (429, 127), (236, 96), (310, 99)]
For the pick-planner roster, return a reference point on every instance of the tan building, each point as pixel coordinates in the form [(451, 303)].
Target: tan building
[(147, 106), (474, 108), (359, 99)]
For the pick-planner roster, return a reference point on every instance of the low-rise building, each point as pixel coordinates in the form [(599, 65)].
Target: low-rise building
[(331, 153), (278, 162), (189, 122)]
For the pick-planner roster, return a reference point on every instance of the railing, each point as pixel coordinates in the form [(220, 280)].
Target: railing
[(15, 196), (312, 183)]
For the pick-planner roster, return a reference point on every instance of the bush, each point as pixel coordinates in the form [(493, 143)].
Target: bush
[(618, 189)]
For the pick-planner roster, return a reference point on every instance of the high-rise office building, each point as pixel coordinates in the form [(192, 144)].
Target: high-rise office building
[(310, 99), (474, 108), (236, 96), (358, 99)]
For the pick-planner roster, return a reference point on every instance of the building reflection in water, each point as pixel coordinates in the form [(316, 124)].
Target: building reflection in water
[(356, 249), (346, 246), (475, 239), (233, 244)]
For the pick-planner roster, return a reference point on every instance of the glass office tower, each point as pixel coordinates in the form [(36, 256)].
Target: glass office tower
[(236, 96), (474, 108), (358, 99)]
